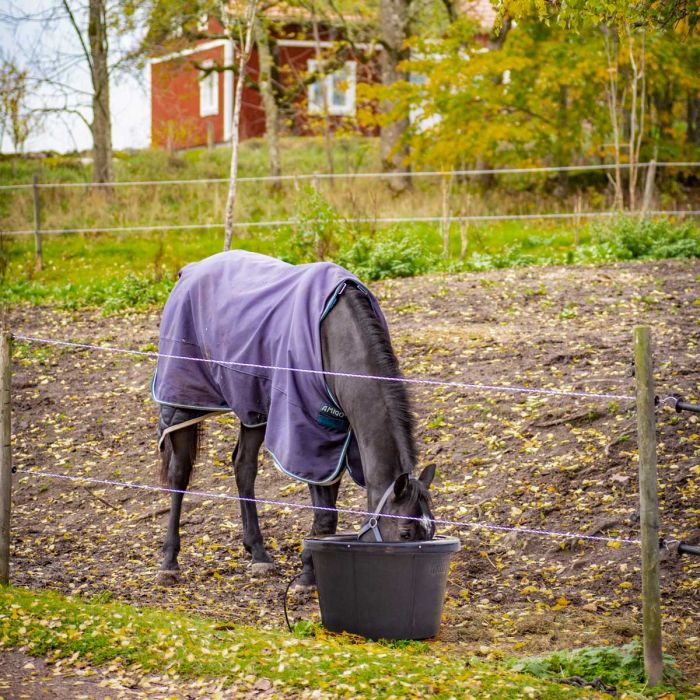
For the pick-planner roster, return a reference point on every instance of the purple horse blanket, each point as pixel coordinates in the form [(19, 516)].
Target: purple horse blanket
[(232, 325)]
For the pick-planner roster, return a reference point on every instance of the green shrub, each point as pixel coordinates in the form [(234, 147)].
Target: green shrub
[(317, 230), (388, 254), (133, 291), (612, 665), (633, 239)]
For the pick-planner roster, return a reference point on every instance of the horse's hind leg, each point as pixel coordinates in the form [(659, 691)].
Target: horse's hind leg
[(180, 450), (245, 465), (325, 523)]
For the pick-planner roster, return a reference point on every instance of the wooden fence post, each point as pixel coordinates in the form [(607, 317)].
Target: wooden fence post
[(578, 208), (648, 506), (5, 458), (210, 136), (648, 188), (38, 255)]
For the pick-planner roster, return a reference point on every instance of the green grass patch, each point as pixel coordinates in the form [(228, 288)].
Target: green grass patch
[(43, 623), (621, 667)]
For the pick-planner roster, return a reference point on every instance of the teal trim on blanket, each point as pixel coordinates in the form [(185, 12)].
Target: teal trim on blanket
[(337, 472)]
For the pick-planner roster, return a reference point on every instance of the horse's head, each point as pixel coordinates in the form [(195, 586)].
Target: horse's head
[(407, 496)]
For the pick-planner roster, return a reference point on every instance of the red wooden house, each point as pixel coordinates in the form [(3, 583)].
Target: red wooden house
[(192, 107)]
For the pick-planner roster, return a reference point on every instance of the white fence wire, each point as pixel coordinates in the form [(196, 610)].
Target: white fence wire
[(327, 373), (360, 220), (348, 511), (360, 175), (262, 501)]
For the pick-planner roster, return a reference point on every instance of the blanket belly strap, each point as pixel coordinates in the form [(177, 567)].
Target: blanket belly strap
[(186, 424)]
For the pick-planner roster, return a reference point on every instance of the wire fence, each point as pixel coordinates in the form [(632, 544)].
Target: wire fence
[(277, 503), (361, 220), (346, 511), (362, 175), (648, 540), (326, 373)]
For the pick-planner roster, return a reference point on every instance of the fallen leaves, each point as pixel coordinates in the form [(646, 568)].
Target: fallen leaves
[(546, 462)]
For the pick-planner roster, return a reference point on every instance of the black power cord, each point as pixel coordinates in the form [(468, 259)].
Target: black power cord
[(286, 594)]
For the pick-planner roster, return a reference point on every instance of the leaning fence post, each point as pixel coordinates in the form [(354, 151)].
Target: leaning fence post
[(648, 506), (5, 458), (648, 188), (38, 256)]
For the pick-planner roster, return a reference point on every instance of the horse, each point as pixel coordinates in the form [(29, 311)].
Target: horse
[(362, 420)]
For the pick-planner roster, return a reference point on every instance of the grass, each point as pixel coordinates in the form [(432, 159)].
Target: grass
[(130, 270), (614, 666), (44, 623)]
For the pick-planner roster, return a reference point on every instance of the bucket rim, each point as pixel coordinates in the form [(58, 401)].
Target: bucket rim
[(349, 541)]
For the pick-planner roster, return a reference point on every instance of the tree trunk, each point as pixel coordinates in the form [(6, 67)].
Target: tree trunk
[(395, 23), (101, 126), (611, 52), (693, 131), (267, 93), (664, 99), (320, 66), (637, 112), (562, 125), (245, 49)]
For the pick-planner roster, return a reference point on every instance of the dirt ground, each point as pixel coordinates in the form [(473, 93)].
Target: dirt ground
[(526, 460)]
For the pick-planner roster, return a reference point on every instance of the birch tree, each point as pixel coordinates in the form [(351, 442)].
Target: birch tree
[(266, 82), (245, 28)]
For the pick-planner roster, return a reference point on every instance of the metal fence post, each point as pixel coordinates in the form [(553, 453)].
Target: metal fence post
[(5, 457), (648, 506)]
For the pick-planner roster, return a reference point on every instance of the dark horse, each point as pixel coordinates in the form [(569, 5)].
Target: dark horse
[(353, 340)]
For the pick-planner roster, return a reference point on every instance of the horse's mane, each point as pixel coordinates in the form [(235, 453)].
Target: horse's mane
[(397, 401)]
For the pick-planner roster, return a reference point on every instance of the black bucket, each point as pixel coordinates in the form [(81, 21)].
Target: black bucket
[(381, 590)]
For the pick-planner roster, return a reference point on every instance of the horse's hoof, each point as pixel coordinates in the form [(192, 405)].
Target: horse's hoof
[(168, 578), (262, 568), (301, 589)]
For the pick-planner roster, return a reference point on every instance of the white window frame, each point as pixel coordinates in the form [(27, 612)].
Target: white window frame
[(209, 92), (416, 113), (347, 73)]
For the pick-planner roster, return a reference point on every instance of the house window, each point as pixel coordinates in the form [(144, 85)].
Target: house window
[(209, 93), (417, 115), (339, 90)]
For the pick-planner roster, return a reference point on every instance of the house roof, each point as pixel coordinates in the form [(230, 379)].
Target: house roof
[(351, 10)]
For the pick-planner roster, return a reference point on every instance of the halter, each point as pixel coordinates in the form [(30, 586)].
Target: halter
[(373, 521)]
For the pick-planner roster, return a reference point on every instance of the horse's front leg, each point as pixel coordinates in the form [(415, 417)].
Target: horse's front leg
[(179, 450), (325, 523), (245, 465)]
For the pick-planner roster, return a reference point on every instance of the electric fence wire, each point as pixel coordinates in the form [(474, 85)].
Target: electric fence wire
[(325, 373), (307, 506), (361, 175), (361, 220)]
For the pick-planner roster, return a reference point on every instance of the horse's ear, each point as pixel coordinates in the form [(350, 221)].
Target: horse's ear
[(427, 475), (401, 486)]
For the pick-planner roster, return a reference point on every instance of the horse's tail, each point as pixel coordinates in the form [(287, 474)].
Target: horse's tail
[(165, 448), (166, 452)]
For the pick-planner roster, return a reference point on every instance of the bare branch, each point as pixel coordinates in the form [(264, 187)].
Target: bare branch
[(86, 52)]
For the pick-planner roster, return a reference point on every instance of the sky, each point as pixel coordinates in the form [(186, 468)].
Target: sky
[(44, 42)]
